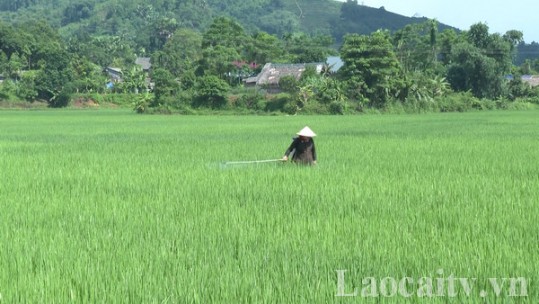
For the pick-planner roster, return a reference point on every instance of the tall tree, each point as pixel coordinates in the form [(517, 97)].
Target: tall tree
[(226, 33), (166, 87), (181, 52), (471, 70), (480, 62), (211, 92), (42, 42), (265, 48), (371, 68), (514, 38), (219, 61), (478, 35), (303, 48), (415, 46), (162, 30), (447, 39)]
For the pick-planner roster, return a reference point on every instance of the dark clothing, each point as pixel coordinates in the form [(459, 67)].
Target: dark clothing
[(302, 151)]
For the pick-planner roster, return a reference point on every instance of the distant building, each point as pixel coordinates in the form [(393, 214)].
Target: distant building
[(532, 80), (144, 63), (115, 74), (273, 72)]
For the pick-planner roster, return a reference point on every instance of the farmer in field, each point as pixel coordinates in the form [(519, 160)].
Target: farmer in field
[(302, 148)]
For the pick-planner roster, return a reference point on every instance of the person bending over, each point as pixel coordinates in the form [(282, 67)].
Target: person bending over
[(302, 150)]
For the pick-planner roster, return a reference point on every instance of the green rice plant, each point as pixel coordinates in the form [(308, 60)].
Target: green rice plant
[(112, 207)]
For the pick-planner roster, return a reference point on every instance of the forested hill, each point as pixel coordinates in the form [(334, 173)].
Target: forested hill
[(142, 21)]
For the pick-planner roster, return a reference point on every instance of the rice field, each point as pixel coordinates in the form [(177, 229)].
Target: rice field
[(111, 207)]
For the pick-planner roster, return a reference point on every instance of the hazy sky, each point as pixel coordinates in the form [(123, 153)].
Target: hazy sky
[(500, 16)]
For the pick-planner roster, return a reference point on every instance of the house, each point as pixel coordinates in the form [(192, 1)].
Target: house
[(144, 63), (532, 80), (115, 74), (273, 72)]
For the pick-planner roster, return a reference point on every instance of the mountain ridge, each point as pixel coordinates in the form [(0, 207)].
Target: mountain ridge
[(140, 19)]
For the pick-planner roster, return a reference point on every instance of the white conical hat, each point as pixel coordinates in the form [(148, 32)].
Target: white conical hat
[(307, 132)]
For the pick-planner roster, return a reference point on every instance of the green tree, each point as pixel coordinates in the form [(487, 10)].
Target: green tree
[(480, 62), (303, 48), (264, 48), (218, 61), (52, 78), (26, 88), (280, 22), (134, 80), (166, 87), (415, 45), (514, 38), (10, 41), (371, 69), (41, 43), (211, 92), (103, 49), (478, 35), (329, 90), (77, 11), (518, 88), (15, 65), (226, 33), (162, 30), (181, 53), (529, 67), (471, 70), (447, 39), (425, 87), (3, 62), (88, 77), (289, 84), (500, 49)]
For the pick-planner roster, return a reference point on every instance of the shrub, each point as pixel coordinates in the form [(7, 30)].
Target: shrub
[(520, 105), (291, 107), (315, 107), (488, 104), (337, 108), (459, 102), (423, 105), (394, 107), (61, 100), (211, 92), (142, 104), (289, 84), (532, 99), (27, 88), (252, 101), (278, 102), (502, 104)]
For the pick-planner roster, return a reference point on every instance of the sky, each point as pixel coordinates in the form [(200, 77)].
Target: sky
[(500, 16)]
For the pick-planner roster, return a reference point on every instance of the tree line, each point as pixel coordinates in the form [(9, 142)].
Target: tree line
[(416, 66)]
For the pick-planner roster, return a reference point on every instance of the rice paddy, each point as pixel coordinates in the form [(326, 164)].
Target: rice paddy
[(112, 207)]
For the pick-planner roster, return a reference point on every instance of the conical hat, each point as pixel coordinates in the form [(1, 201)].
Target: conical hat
[(307, 132)]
